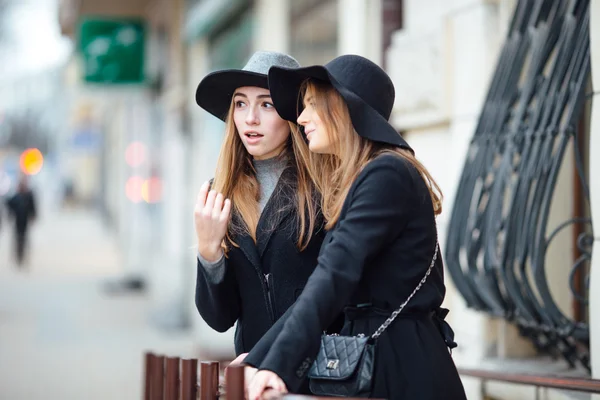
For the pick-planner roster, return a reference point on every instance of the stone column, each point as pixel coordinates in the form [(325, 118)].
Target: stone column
[(360, 28), (169, 268), (272, 25), (206, 138)]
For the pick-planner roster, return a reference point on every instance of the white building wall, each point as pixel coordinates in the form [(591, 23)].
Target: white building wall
[(441, 64)]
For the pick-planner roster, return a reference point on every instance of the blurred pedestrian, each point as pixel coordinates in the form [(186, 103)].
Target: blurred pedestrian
[(380, 258), (258, 223), (22, 208)]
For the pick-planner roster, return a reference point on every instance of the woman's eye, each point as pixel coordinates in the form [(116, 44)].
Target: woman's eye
[(268, 105), (239, 103)]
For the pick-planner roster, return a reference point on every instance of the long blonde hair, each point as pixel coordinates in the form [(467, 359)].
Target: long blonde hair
[(235, 178), (334, 174)]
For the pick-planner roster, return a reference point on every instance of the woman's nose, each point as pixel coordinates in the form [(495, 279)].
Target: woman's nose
[(252, 117), (302, 120)]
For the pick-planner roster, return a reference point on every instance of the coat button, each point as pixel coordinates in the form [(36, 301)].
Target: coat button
[(303, 368)]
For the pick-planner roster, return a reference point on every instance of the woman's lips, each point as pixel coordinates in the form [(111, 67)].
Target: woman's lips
[(253, 137)]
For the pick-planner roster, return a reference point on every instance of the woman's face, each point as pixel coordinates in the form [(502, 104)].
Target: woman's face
[(319, 138), (263, 132)]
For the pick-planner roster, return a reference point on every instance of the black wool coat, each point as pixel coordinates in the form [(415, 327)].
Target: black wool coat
[(370, 262), (263, 279)]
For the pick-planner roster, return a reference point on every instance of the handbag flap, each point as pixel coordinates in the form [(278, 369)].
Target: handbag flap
[(338, 357)]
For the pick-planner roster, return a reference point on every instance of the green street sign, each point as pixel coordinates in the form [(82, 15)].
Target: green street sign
[(112, 50)]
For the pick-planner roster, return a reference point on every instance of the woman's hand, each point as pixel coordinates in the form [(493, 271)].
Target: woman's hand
[(249, 372), (262, 381), (211, 216), (239, 359)]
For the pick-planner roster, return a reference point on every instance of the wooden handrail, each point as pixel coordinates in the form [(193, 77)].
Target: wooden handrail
[(585, 385), (181, 377), (272, 395)]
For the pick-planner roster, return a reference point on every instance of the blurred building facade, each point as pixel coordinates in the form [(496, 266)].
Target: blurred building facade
[(441, 55)]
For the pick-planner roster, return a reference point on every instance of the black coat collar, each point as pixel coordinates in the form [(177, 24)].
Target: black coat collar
[(279, 206)]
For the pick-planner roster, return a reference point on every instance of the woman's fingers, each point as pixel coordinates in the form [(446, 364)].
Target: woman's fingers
[(239, 359), (263, 380), (210, 203), (276, 383), (218, 207), (211, 219), (201, 201), (226, 210), (257, 386)]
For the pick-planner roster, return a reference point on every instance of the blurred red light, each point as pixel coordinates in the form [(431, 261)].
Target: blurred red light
[(135, 154), (152, 190), (133, 189)]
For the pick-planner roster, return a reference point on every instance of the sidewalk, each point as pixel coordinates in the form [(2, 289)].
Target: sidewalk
[(61, 336)]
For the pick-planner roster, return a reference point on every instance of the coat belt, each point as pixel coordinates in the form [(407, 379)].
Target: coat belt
[(438, 316)]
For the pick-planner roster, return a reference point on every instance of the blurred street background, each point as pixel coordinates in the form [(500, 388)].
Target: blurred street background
[(98, 121), (61, 336)]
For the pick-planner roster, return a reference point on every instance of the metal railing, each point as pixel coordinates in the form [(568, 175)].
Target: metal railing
[(584, 385), (497, 242)]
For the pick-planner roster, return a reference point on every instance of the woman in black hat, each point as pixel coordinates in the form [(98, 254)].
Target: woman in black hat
[(380, 250), (259, 226)]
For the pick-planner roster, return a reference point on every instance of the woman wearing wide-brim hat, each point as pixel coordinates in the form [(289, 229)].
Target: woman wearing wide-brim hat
[(258, 223), (380, 250)]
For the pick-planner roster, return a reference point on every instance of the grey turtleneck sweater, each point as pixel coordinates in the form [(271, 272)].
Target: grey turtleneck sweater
[(268, 173)]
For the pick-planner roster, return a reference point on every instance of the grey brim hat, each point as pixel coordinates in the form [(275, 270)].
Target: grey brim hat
[(215, 91)]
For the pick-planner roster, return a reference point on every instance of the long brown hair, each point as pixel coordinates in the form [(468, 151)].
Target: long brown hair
[(235, 178), (334, 174)]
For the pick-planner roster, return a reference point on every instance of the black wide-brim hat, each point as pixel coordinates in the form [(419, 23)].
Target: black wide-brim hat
[(367, 90), (215, 91)]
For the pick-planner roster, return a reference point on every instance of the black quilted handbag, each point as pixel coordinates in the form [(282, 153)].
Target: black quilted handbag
[(345, 364), (344, 367)]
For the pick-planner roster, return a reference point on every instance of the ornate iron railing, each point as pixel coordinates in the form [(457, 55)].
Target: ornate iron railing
[(497, 238)]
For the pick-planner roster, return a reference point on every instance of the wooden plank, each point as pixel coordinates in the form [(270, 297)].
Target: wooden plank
[(189, 377), (157, 378), (209, 380), (234, 382), (172, 379), (148, 361)]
